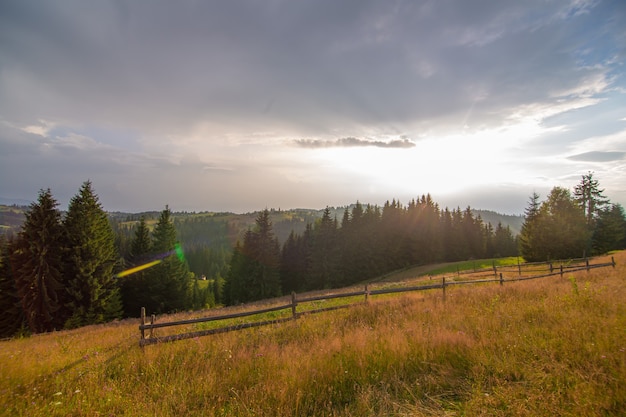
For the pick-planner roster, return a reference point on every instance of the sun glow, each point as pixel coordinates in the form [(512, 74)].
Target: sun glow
[(440, 165)]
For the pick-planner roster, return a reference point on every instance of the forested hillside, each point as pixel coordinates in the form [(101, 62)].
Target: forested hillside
[(64, 269)]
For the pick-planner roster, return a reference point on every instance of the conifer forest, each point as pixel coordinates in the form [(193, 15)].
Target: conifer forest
[(65, 269)]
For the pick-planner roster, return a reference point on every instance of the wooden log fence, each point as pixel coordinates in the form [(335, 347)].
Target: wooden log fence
[(497, 273)]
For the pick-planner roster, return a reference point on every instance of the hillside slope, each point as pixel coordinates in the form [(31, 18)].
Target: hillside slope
[(546, 347)]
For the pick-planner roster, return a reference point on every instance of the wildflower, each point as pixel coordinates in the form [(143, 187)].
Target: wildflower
[(56, 394)]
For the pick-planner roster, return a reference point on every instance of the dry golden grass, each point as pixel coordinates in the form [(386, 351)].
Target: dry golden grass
[(553, 346)]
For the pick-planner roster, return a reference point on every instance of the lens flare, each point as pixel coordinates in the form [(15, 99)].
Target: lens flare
[(178, 251), (137, 268)]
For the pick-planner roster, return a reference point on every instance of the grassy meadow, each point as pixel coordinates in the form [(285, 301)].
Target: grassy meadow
[(545, 347)]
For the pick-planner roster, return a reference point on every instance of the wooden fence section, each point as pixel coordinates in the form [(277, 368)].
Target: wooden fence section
[(513, 273)]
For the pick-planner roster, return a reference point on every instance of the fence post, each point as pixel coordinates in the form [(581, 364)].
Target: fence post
[(587, 263), (561, 270), (294, 304), (501, 279), (443, 285), (613, 261), (551, 268), (367, 293), (152, 320), (495, 271), (519, 267), (143, 323)]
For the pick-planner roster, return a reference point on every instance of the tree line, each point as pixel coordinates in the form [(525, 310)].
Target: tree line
[(369, 241), (568, 225), (63, 272), (58, 272)]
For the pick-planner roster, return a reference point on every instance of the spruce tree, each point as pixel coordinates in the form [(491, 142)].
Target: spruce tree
[(610, 230), (504, 242), (590, 197), (133, 287), (565, 223), (531, 236), (292, 264), (324, 271), (254, 269), (37, 262), (557, 230), (168, 283), (265, 252), (91, 256)]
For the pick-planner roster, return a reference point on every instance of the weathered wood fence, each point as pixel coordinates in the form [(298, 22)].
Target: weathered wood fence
[(519, 272)]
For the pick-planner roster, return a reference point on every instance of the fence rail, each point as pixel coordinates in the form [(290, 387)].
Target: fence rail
[(520, 273)]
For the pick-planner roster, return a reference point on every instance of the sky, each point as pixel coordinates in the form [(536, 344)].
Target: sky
[(245, 105)]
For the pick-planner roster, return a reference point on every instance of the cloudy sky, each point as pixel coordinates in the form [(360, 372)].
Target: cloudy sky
[(242, 105)]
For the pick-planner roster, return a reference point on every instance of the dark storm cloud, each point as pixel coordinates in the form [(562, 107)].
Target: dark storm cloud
[(597, 156), (354, 142), (320, 63)]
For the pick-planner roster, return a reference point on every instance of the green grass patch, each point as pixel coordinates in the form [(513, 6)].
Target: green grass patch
[(475, 265)]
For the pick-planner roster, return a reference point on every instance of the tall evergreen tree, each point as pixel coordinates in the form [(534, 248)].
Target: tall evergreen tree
[(133, 287), (254, 272), (93, 293), (610, 230), (12, 317), (293, 264), (590, 197), (559, 229), (169, 282), (531, 236), (565, 222), (37, 258), (504, 243), (266, 253), (238, 277), (324, 271)]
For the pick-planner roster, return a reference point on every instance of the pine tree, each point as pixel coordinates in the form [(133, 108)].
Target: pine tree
[(292, 264), (565, 221), (237, 278), (556, 231), (610, 230), (324, 270), (531, 236), (266, 252), (91, 256), (168, 283), (37, 262), (254, 270), (12, 317), (133, 287), (504, 242), (589, 197)]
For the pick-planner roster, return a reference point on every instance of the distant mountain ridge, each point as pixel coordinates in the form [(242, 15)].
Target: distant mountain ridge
[(284, 221), (513, 221), (14, 202)]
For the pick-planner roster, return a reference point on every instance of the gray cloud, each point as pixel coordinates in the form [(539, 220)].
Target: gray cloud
[(598, 156), (354, 142), (123, 91), (366, 63)]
